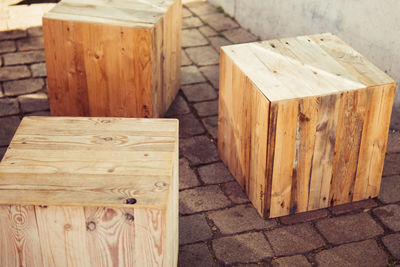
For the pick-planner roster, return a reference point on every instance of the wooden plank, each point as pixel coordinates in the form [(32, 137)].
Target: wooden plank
[(62, 232), (57, 77), (323, 152), (285, 142), (256, 185), (373, 142), (347, 147), (8, 249), (110, 235), (304, 151)]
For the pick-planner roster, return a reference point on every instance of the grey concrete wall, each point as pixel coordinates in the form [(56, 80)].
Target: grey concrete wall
[(372, 27)]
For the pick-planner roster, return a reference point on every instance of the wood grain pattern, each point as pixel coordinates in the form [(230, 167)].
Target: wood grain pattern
[(63, 194), (103, 68), (303, 122)]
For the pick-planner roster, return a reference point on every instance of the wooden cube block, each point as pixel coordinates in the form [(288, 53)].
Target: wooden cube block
[(117, 58), (303, 122), (90, 192)]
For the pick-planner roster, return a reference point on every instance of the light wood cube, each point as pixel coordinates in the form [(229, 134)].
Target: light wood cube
[(117, 58), (303, 122), (90, 192)]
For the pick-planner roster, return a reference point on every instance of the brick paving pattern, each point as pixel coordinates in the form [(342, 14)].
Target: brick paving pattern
[(218, 225)]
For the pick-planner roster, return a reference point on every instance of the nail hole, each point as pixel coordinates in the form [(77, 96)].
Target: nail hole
[(129, 217), (91, 226), (130, 201)]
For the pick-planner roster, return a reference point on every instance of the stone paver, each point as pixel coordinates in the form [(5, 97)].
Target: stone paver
[(203, 55), (211, 124), (349, 228), (178, 107), (208, 108), (35, 43), (201, 8), (23, 57), (391, 166), (185, 59), (20, 87), (7, 46), (365, 253), (2, 152), (195, 255), (220, 22), (389, 215), (298, 261), (390, 189), (191, 22), (33, 102), (189, 126), (199, 92), (192, 37), (235, 192), (239, 219), (9, 106), (392, 243), (304, 216), (202, 199), (35, 31), (190, 74), (249, 247), (212, 74), (393, 145), (295, 239), (240, 35), (353, 207), (218, 41), (207, 31), (215, 173), (198, 150), (39, 70), (8, 127), (14, 73), (187, 177), (193, 228), (15, 34)]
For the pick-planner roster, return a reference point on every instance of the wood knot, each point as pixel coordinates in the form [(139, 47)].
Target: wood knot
[(105, 121), (91, 226), (303, 117), (107, 139), (272, 45), (160, 185), (130, 201), (67, 227)]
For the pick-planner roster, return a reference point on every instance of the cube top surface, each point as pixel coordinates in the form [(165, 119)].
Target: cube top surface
[(305, 66), (134, 13), (90, 162)]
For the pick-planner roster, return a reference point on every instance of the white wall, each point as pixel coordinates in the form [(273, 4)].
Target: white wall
[(372, 27)]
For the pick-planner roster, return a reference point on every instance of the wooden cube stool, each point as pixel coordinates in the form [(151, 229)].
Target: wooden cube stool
[(90, 192), (117, 58), (303, 122)]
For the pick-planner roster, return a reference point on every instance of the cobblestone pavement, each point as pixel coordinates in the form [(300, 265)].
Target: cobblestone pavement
[(218, 225)]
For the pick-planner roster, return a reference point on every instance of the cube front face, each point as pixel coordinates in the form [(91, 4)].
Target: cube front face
[(115, 59), (90, 192), (293, 154)]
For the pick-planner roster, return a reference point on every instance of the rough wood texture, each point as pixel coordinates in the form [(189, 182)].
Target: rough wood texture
[(118, 58), (64, 187), (303, 122)]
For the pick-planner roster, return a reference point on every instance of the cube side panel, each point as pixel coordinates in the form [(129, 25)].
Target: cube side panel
[(242, 130), (98, 69), (373, 142)]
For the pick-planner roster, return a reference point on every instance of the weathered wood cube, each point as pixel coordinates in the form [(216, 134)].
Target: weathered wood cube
[(90, 192), (303, 122), (117, 58)]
